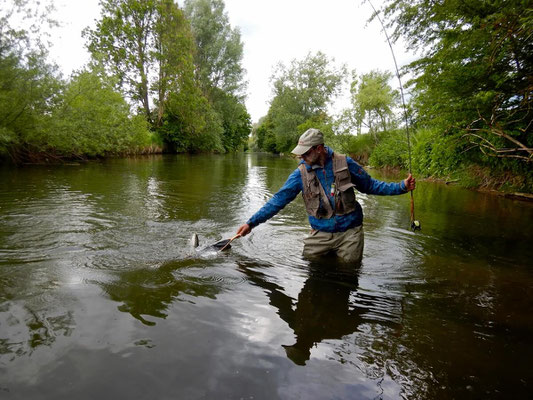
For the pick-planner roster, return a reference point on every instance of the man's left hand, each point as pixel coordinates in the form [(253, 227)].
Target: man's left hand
[(410, 183)]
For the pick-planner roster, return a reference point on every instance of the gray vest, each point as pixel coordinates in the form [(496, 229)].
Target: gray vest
[(316, 201)]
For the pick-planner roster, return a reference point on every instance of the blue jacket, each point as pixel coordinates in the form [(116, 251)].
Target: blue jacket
[(338, 223)]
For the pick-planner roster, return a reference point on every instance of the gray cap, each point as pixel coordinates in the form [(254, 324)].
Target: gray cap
[(309, 138)]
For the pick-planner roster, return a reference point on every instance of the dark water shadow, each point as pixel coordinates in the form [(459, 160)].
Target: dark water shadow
[(150, 291), (325, 308)]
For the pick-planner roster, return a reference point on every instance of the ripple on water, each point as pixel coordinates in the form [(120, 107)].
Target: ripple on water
[(219, 276)]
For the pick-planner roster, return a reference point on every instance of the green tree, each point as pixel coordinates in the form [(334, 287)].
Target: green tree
[(263, 135), (236, 121), (27, 93), (28, 83), (21, 23), (92, 119), (190, 123), (175, 54), (219, 71), (218, 58), (474, 75), (301, 91), (147, 44), (373, 102)]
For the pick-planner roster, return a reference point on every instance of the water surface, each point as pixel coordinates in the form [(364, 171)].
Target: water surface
[(101, 295)]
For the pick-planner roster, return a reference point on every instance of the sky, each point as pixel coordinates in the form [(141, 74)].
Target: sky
[(272, 31)]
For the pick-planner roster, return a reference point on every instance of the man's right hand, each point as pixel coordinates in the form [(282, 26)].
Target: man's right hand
[(410, 183), (244, 230)]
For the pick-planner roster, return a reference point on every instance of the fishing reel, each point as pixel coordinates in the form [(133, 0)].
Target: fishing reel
[(415, 225)]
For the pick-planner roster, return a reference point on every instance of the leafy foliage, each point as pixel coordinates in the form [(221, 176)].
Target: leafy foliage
[(184, 73), (391, 151), (436, 155), (41, 116), (263, 136), (302, 92), (147, 45), (474, 76), (124, 41), (373, 102), (219, 71), (359, 147), (236, 122), (219, 47), (93, 119), (28, 39), (190, 124), (27, 85), (27, 89)]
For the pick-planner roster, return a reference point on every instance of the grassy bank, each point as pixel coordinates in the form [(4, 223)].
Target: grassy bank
[(442, 157)]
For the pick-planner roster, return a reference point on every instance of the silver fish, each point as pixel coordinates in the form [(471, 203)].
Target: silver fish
[(213, 247), (194, 240)]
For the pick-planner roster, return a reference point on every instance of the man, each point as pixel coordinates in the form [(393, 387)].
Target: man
[(327, 181)]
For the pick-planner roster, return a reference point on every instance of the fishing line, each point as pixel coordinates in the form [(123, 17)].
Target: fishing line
[(415, 225)]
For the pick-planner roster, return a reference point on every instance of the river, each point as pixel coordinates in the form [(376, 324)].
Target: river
[(101, 295)]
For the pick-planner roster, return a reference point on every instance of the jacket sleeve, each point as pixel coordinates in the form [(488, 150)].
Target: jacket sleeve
[(284, 196), (366, 184)]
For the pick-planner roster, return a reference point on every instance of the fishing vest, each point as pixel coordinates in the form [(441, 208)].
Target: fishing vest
[(315, 198)]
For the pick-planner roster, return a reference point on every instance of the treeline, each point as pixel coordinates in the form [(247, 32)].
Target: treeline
[(469, 96), (160, 78)]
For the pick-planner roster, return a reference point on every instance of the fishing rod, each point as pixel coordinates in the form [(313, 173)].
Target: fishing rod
[(415, 225)]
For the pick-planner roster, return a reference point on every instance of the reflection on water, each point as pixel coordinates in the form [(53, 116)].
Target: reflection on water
[(96, 270), (324, 308), (25, 329), (150, 291)]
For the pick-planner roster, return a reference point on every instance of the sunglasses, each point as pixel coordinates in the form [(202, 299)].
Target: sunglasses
[(308, 152)]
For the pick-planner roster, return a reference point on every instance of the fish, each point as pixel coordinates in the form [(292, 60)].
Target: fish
[(221, 244), (194, 241)]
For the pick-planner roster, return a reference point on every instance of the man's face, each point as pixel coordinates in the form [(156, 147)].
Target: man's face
[(312, 156)]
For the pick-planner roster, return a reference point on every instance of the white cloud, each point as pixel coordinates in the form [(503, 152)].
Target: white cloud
[(68, 49), (283, 30)]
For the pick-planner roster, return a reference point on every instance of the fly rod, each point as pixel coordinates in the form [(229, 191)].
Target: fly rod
[(415, 225)]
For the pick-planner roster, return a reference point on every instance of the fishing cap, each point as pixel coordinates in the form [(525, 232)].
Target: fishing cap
[(309, 138)]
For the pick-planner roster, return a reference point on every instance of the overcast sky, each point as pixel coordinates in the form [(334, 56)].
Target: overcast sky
[(272, 31)]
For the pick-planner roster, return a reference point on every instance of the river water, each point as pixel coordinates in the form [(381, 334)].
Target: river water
[(101, 295)]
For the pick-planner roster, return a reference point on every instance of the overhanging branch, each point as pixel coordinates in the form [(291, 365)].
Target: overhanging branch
[(481, 136)]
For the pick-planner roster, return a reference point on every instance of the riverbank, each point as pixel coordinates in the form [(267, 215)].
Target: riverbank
[(476, 178), (438, 156), (484, 179), (24, 156)]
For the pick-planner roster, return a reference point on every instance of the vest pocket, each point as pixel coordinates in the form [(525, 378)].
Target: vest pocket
[(343, 177), (314, 203), (346, 201), (312, 199)]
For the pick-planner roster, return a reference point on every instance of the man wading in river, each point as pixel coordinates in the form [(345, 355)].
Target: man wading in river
[(327, 181)]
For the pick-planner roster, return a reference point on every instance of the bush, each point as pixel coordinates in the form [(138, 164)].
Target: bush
[(391, 150), (436, 155), (191, 124), (28, 87), (92, 119), (359, 147)]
